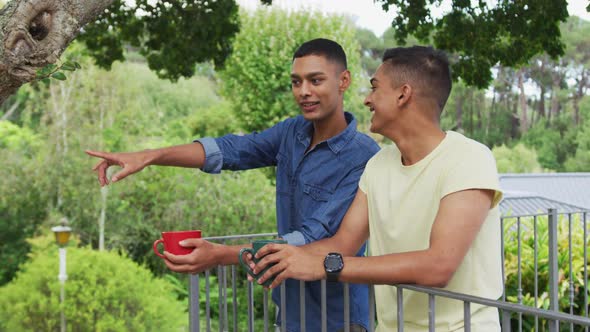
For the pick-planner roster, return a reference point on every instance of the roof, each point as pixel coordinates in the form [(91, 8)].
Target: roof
[(535, 193), (527, 204)]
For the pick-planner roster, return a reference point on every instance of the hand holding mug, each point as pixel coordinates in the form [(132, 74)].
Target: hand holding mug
[(257, 245), (171, 240)]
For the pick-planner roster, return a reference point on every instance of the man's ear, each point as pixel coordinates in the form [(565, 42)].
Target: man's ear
[(405, 94), (345, 81)]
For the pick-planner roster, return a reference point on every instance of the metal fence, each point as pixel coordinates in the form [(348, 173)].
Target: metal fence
[(545, 275)]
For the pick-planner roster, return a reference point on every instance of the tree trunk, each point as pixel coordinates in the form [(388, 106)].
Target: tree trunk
[(522, 102), (459, 113), (541, 108), (579, 94), (554, 97), (34, 33)]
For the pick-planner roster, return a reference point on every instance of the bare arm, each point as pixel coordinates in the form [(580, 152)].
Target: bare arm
[(458, 221), (206, 255), (306, 262), (187, 155)]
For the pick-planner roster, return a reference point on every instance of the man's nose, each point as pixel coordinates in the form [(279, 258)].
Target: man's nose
[(305, 89)]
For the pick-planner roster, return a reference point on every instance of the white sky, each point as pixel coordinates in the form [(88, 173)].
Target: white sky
[(369, 15)]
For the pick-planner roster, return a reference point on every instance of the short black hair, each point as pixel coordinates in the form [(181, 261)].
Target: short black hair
[(422, 66), (327, 48)]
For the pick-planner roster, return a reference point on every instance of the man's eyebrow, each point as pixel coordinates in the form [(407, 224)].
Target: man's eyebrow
[(308, 75)]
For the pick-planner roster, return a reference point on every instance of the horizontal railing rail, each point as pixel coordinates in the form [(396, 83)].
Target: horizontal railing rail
[(525, 304)]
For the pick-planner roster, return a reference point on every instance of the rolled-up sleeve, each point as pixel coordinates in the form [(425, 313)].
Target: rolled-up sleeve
[(213, 155), (242, 152)]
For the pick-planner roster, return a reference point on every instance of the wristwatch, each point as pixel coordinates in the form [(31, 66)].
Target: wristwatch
[(333, 264)]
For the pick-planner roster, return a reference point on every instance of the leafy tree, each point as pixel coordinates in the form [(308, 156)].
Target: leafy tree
[(480, 35), (260, 90), (104, 292), (518, 159), (509, 33), (554, 144), (107, 110), (580, 161)]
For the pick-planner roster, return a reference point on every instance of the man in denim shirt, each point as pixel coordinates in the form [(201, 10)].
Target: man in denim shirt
[(320, 157)]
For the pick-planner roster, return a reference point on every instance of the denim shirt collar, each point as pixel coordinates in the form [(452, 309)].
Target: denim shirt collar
[(335, 143)]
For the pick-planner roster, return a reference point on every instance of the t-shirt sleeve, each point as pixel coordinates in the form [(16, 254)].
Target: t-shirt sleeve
[(363, 182), (475, 168)]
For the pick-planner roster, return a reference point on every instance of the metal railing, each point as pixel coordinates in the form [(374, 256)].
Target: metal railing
[(545, 275)]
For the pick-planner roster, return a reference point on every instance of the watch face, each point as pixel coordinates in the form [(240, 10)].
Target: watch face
[(333, 263)]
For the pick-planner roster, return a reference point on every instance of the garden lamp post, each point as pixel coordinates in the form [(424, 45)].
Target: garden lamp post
[(62, 236)]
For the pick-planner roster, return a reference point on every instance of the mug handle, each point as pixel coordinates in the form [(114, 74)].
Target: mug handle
[(243, 263), (156, 251)]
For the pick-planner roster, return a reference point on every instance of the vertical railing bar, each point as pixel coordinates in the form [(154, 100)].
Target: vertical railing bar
[(536, 268), (225, 299), (506, 320), (225, 313), (194, 318), (571, 276), (503, 260), (346, 307), (324, 306), (585, 225), (502, 246), (250, 307), (283, 307), (585, 267), (221, 299), (431, 313), (265, 308), (372, 308), (235, 297), (467, 316), (519, 269), (553, 268), (400, 310), (302, 322), (207, 300)]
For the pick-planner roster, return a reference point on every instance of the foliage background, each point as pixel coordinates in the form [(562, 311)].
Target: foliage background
[(45, 176)]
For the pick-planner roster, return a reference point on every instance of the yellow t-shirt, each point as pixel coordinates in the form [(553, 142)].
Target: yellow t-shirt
[(403, 203)]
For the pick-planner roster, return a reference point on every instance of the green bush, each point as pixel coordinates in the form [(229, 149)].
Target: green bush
[(542, 273), (104, 292), (518, 159)]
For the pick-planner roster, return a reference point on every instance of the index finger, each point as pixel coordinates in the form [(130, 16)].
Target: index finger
[(98, 154)]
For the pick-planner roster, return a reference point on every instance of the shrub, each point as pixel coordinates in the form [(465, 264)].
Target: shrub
[(528, 268), (104, 292)]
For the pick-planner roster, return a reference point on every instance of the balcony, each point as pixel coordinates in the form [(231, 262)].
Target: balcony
[(545, 275)]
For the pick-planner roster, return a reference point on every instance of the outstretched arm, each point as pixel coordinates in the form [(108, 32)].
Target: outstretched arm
[(186, 155)]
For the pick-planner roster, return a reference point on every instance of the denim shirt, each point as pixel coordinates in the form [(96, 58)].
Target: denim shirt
[(313, 193)]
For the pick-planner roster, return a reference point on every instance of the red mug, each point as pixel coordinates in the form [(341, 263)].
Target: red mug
[(171, 239)]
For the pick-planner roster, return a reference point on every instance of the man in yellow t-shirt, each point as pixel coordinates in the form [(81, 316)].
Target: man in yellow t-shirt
[(428, 202)]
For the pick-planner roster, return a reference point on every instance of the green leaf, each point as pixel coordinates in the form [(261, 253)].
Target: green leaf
[(76, 64), (59, 76), (68, 67), (46, 81)]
